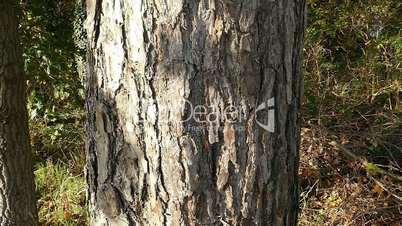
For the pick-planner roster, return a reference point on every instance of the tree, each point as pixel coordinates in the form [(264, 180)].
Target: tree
[(17, 193), (193, 111)]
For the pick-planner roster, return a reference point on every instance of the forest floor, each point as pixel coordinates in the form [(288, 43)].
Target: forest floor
[(344, 183)]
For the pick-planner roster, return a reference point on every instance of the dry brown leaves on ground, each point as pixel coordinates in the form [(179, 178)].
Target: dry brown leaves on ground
[(337, 189)]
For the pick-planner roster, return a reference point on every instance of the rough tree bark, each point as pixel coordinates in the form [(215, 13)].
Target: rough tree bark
[(155, 67), (17, 193)]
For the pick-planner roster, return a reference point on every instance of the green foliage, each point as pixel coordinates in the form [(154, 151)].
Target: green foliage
[(56, 98), (353, 67), (59, 143), (50, 59), (353, 93), (372, 169), (54, 57)]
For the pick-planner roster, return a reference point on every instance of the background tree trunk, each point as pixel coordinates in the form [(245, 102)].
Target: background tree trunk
[(17, 193), (146, 166)]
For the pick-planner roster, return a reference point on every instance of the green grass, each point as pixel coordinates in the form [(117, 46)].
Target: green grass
[(61, 196)]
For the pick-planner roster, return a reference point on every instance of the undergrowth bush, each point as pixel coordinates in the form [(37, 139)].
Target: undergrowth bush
[(353, 69), (55, 104), (353, 93)]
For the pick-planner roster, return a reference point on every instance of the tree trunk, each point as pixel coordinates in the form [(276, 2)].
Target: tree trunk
[(17, 193), (193, 111)]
